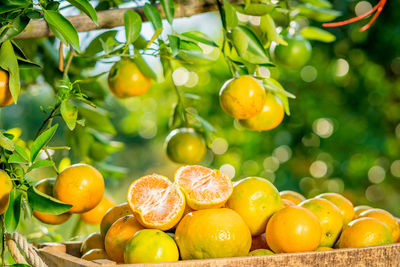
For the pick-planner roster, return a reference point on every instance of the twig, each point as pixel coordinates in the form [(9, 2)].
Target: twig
[(61, 58), (69, 60), (48, 120), (51, 159)]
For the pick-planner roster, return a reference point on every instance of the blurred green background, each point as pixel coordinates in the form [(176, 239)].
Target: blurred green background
[(343, 134)]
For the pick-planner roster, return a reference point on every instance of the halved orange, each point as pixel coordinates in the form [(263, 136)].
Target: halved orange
[(156, 202), (204, 188)]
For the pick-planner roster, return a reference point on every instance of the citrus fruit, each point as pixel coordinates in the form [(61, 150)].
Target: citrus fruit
[(293, 229), (295, 54), (345, 206), (119, 235), (360, 209), (329, 217), (258, 242), (323, 248), (261, 252), (95, 215), (5, 189), (293, 196), (255, 199), (126, 80), (385, 217), (156, 202), (151, 245), (112, 215), (269, 117), (46, 186), (80, 185), (185, 146), (5, 94), (95, 254), (212, 233), (92, 241), (287, 203), (204, 188), (242, 97), (365, 232)]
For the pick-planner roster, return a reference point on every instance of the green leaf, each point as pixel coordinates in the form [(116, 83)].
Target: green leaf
[(13, 5), (96, 118), (318, 3), (13, 212), (85, 7), (69, 113), (318, 13), (189, 46), (154, 37), (267, 25), (318, 34), (95, 45), (196, 36), (275, 87), (15, 27), (144, 67), (15, 158), (63, 26), (168, 6), (41, 141), (8, 62), (45, 203), (6, 143), (20, 265), (254, 9), (133, 25), (173, 44), (21, 152), (230, 16), (112, 171), (153, 15), (40, 164)]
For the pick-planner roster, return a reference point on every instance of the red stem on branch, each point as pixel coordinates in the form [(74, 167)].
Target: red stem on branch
[(378, 8)]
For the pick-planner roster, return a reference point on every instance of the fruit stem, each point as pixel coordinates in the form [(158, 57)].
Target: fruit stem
[(69, 60), (77, 228)]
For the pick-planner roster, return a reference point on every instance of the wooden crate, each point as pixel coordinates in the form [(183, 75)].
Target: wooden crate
[(67, 255)]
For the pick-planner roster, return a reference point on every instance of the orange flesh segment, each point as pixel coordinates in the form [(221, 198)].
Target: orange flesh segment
[(204, 185), (155, 198)]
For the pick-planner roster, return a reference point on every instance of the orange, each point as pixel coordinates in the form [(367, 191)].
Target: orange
[(119, 235), (204, 188), (112, 215), (46, 186), (261, 252), (323, 248), (80, 185), (242, 97), (212, 233), (258, 242), (156, 202), (360, 209), (95, 215), (126, 80), (287, 203), (269, 118), (295, 54), (255, 199), (5, 188), (92, 241), (5, 93), (293, 229), (95, 254), (345, 206), (385, 217), (151, 245), (364, 232), (185, 146), (329, 217), (293, 196)]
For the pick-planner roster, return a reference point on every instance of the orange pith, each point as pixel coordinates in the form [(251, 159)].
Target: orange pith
[(156, 202), (203, 187)]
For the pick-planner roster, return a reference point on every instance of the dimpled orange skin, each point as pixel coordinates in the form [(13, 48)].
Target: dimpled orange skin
[(119, 235), (92, 241), (269, 118), (385, 217), (330, 218), (293, 196), (345, 206), (242, 97), (80, 185), (46, 186), (95, 215), (5, 94), (212, 233), (95, 254), (5, 189), (360, 209), (364, 232), (126, 80), (112, 215), (255, 199), (293, 229)]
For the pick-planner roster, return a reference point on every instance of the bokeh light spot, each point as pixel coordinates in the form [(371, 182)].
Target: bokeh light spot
[(219, 146), (376, 174), (282, 153), (395, 168), (308, 74), (271, 164), (362, 7), (342, 67), (180, 76), (318, 169), (228, 169), (323, 127)]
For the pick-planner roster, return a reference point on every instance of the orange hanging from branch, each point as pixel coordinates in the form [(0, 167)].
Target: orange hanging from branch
[(377, 9)]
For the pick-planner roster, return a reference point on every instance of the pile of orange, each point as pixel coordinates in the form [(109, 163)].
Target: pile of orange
[(200, 214)]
